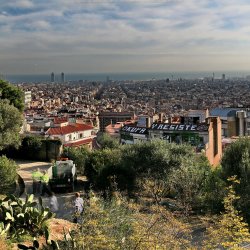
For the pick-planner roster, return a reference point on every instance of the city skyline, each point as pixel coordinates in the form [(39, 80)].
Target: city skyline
[(124, 36)]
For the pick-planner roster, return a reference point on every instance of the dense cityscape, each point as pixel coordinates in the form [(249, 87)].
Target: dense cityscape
[(107, 106)]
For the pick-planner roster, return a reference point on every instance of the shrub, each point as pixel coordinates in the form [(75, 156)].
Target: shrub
[(106, 141), (229, 230), (78, 155), (117, 224), (8, 173)]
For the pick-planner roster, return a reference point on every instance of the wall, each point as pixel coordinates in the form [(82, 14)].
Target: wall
[(214, 149)]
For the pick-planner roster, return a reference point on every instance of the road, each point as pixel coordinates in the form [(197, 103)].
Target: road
[(65, 200)]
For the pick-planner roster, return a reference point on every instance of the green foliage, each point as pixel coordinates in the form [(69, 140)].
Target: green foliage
[(236, 161), (31, 145), (19, 217), (116, 176), (214, 190), (13, 94), (155, 157), (196, 185), (188, 182), (10, 125), (35, 148), (98, 160), (78, 155), (129, 165), (118, 224), (8, 173), (230, 231), (106, 141)]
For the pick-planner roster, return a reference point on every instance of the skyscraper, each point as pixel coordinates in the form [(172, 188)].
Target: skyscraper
[(52, 77), (62, 77)]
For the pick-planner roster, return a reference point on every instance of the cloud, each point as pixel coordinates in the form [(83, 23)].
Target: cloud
[(47, 29)]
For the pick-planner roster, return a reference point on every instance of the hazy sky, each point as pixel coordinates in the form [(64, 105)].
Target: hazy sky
[(90, 36)]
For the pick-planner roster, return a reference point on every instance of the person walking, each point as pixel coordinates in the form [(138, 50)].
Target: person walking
[(44, 183), (36, 177), (53, 203), (78, 203)]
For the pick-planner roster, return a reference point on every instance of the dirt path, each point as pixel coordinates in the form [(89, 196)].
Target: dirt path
[(25, 171)]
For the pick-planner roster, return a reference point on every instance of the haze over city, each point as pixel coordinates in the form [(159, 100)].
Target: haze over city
[(82, 36)]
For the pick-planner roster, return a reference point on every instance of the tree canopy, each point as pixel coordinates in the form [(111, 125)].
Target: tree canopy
[(13, 94), (230, 231), (236, 159), (10, 124), (8, 170)]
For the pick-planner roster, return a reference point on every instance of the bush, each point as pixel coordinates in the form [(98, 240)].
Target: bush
[(117, 224), (31, 145), (10, 125), (116, 176), (35, 148), (78, 155), (106, 141), (229, 230), (98, 160), (131, 163), (8, 173), (236, 161)]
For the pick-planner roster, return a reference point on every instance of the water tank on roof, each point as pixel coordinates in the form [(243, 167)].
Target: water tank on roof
[(241, 115)]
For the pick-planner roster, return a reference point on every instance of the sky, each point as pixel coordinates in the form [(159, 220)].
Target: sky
[(98, 36)]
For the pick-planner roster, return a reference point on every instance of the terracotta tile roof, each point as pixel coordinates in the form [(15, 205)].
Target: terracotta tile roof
[(78, 143), (58, 120), (71, 128)]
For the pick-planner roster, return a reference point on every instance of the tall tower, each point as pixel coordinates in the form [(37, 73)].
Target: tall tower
[(52, 77), (62, 77)]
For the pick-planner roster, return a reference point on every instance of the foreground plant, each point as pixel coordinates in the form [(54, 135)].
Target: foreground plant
[(118, 224), (23, 217), (230, 231)]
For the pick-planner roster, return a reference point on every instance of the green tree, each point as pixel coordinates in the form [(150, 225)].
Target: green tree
[(155, 157), (106, 141), (230, 231), (13, 94), (98, 161), (10, 125), (214, 190), (78, 155), (31, 145), (236, 161), (8, 172), (131, 165), (189, 180)]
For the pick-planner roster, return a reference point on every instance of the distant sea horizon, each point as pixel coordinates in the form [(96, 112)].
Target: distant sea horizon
[(35, 78)]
